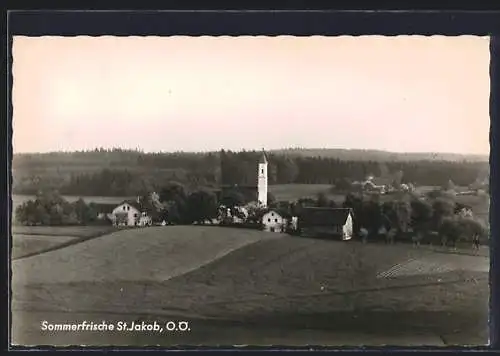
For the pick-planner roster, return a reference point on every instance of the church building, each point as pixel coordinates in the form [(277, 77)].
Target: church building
[(262, 180), (253, 186)]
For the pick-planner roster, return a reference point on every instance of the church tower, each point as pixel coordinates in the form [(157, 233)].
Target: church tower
[(262, 180)]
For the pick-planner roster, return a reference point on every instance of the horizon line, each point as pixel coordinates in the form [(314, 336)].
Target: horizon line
[(250, 150)]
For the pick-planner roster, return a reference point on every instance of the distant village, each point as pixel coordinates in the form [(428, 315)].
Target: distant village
[(253, 214), (318, 216)]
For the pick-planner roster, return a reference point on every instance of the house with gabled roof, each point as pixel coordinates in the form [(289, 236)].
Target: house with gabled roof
[(130, 213), (276, 220), (328, 222)]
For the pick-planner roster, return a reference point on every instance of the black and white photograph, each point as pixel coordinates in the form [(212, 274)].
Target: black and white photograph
[(250, 191)]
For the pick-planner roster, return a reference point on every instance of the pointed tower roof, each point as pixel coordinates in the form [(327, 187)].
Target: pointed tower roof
[(263, 158)]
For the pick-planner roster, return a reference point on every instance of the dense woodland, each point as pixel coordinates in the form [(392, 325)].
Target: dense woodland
[(119, 172)]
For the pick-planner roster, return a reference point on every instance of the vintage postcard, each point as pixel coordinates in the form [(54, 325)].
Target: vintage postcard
[(258, 191)]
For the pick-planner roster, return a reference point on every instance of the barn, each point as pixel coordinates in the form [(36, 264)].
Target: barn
[(326, 222)]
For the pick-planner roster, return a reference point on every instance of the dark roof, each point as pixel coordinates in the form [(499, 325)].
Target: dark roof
[(263, 158), (133, 203), (324, 216)]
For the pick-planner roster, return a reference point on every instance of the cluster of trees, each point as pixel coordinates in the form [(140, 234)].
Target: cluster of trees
[(421, 216), (123, 172), (179, 205), (176, 206), (407, 214), (51, 209)]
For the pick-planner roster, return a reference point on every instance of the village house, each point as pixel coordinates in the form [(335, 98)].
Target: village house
[(463, 210), (275, 220), (375, 185), (331, 222), (130, 213)]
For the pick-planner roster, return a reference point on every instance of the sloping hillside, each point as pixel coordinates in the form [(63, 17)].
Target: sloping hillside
[(257, 278)]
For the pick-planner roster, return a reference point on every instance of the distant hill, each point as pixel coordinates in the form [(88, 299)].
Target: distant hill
[(338, 153), (118, 172), (377, 155)]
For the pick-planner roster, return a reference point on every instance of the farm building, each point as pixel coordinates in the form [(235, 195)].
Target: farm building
[(275, 220), (332, 222), (130, 213)]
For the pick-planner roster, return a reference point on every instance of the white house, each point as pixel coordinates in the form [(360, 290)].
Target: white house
[(465, 212), (275, 221), (129, 213)]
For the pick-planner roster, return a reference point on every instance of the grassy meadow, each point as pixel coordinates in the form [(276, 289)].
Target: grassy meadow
[(289, 192), (256, 278), (32, 240)]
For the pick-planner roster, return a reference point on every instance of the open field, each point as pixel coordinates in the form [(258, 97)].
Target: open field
[(23, 245), (140, 254), (74, 231), (295, 191), (29, 240), (225, 280)]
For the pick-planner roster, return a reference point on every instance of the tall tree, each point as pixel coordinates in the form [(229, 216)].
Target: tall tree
[(84, 213), (442, 208), (202, 205), (173, 192), (421, 214), (232, 198), (322, 200)]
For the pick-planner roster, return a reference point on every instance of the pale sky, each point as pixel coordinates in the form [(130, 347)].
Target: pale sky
[(413, 94)]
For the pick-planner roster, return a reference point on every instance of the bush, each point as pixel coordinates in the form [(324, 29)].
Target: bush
[(461, 229)]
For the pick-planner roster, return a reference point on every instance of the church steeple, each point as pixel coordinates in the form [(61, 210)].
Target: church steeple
[(262, 180), (263, 158)]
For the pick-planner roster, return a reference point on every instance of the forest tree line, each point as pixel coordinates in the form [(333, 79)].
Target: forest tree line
[(126, 173)]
